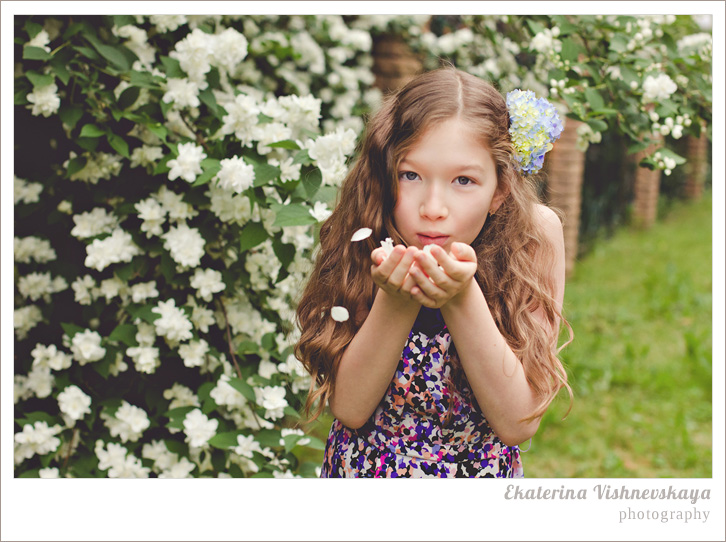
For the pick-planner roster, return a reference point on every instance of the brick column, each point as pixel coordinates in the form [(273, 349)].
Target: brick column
[(697, 165), (565, 165), (646, 192), (394, 64)]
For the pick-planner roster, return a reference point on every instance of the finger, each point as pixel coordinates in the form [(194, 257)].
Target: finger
[(463, 252), (430, 266), (398, 275), (388, 264), (426, 285), (454, 268), (378, 256)]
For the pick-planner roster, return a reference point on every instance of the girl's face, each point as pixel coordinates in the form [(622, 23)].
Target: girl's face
[(447, 185)]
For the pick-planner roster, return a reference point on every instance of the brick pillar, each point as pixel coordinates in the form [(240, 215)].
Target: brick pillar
[(697, 165), (394, 64), (646, 192), (565, 165)]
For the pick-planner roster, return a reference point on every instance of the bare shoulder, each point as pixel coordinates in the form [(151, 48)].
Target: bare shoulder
[(548, 220)]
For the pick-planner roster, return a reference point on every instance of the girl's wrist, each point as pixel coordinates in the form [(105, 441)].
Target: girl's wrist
[(466, 293)]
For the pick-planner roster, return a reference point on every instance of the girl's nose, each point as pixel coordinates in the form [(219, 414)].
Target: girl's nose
[(433, 204)]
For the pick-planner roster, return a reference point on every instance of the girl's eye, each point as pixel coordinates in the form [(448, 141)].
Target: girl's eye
[(408, 175), (464, 181)]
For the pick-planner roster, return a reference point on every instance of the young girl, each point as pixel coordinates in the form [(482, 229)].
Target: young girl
[(449, 359)]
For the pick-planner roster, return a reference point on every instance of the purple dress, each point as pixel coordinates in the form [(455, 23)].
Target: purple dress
[(407, 437)]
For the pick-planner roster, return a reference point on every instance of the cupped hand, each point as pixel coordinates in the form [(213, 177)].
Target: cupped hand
[(442, 276), (392, 273)]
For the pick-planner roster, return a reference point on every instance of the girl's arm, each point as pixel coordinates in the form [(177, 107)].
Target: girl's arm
[(494, 372), (370, 360)]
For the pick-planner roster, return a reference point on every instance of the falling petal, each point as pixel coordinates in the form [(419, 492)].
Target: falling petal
[(339, 314), (363, 233), (387, 246)]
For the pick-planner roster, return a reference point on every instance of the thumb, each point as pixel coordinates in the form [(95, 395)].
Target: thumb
[(463, 252)]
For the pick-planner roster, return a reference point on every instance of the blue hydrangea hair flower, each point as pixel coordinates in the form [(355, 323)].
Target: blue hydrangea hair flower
[(534, 126)]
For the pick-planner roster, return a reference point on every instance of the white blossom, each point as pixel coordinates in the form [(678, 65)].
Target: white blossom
[(329, 153), (241, 118), (120, 464), (86, 347), (320, 211), (181, 469), (246, 445), (194, 353), (93, 223), (50, 356), (224, 394), (230, 49), (74, 403), (207, 282), (128, 423), (146, 155), (40, 381), (272, 399), (83, 288), (167, 23), (185, 244), (658, 88), (98, 166), (146, 358), (194, 54), (173, 323), (25, 319), (144, 290), (235, 175), (181, 93), (198, 428), (49, 472), (180, 396), (36, 439), (118, 247), (41, 39), (31, 248), (285, 432), (40, 285), (45, 100), (188, 164), (25, 192)]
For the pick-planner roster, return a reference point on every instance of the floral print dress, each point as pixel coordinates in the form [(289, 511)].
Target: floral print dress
[(407, 436)]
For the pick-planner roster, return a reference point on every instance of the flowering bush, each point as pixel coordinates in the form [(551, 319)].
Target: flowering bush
[(162, 239)]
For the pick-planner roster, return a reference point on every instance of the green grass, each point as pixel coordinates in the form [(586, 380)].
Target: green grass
[(640, 364)]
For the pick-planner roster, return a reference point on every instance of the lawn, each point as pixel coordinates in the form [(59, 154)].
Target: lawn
[(640, 364)]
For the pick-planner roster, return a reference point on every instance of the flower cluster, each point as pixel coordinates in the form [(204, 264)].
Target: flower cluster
[(534, 126)]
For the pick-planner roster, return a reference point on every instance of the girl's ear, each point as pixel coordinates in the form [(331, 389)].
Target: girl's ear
[(500, 195)]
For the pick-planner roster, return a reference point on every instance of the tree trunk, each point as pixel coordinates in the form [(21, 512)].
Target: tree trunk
[(697, 165), (394, 64), (565, 166), (646, 191)]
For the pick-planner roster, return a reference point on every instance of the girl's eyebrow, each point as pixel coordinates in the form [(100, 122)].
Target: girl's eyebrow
[(467, 167)]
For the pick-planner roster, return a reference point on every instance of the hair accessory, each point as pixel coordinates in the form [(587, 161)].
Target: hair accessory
[(534, 126)]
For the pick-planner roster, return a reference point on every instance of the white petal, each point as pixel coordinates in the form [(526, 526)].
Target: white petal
[(427, 249), (339, 314), (363, 233), (387, 246)]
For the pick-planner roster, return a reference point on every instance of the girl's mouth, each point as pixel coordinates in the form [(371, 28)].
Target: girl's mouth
[(432, 239)]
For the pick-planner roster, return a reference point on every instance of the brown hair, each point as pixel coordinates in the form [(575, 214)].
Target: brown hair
[(505, 247)]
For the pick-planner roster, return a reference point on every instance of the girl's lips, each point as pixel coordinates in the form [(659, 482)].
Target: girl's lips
[(435, 240)]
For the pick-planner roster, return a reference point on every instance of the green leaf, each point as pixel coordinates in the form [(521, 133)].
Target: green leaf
[(113, 55), (87, 52), (123, 20), (59, 67), (91, 130), (208, 99), (88, 143), (33, 417), (210, 167), (244, 388), (264, 173), (284, 252), (302, 157), (35, 53), (225, 441), (291, 412), (604, 112), (594, 99), (570, 50), (143, 312), (311, 181), (269, 438), (71, 329), (161, 166), (33, 29), (618, 43), (287, 144), (291, 441), (21, 94), (70, 115), (292, 214), (34, 473), (176, 416), (248, 347), (128, 97), (126, 333), (72, 30), (39, 80), (118, 144), (315, 443), (252, 235), (534, 26), (597, 125), (667, 153), (172, 68), (143, 80), (637, 147), (76, 164), (159, 130)]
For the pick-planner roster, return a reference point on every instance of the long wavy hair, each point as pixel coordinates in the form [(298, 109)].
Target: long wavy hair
[(508, 244)]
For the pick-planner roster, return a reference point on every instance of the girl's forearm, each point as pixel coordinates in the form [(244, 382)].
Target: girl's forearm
[(494, 372), (369, 362)]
